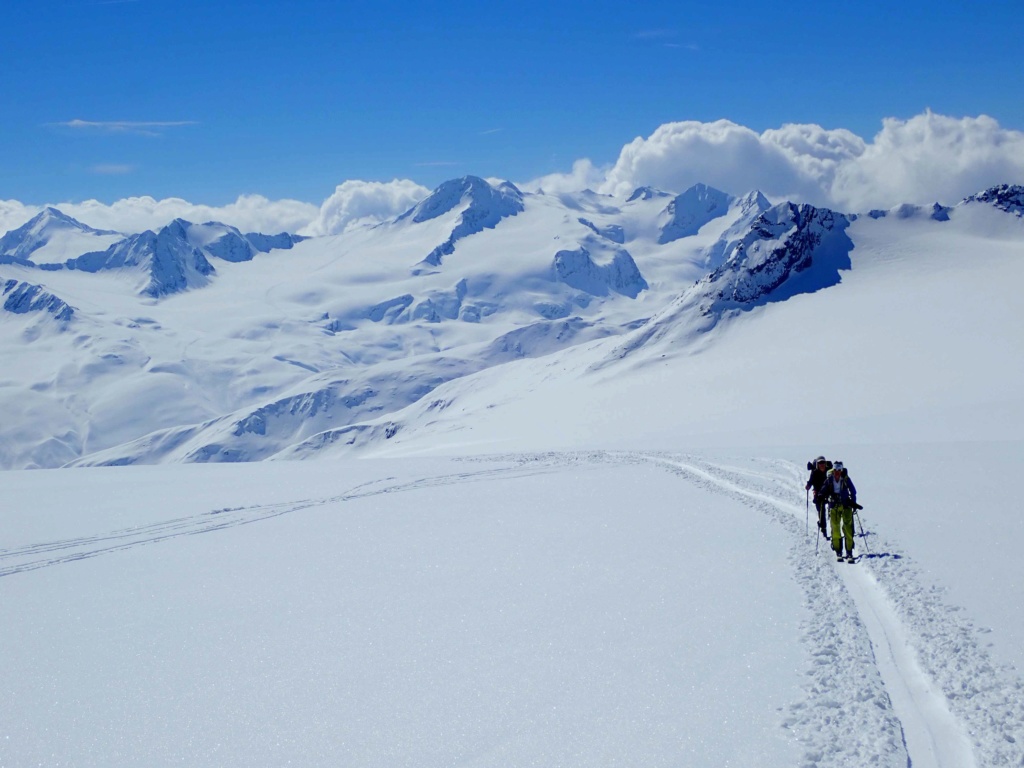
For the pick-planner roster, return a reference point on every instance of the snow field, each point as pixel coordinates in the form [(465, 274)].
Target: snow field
[(528, 611), (560, 609)]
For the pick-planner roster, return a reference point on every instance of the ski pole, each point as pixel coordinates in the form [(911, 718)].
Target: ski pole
[(862, 534), (807, 511), (817, 541)]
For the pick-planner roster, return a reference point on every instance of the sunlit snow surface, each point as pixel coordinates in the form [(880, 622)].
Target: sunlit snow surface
[(548, 517), (613, 608)]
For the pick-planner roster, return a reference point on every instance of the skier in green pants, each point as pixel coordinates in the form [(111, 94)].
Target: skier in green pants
[(841, 494)]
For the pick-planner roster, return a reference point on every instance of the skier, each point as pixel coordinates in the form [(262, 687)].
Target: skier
[(841, 495), (815, 481)]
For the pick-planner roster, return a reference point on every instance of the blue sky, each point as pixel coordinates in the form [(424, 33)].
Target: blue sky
[(210, 100)]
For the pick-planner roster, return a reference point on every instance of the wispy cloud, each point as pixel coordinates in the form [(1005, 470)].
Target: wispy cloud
[(668, 38), (654, 34), (490, 131), (112, 169), (143, 128)]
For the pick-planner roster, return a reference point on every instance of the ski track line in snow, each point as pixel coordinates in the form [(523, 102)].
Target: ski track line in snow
[(941, 683), (46, 554)]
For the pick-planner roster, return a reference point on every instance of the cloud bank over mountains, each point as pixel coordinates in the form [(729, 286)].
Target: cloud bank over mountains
[(250, 213), (355, 203), (928, 158)]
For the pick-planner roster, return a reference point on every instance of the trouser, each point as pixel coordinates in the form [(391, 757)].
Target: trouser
[(841, 518), (821, 506)]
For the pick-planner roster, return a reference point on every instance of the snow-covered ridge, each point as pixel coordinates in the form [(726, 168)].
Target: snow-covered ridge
[(170, 260), (742, 213), (228, 243), (781, 243), (936, 212), (167, 261), (788, 249), (22, 298), (1005, 197)]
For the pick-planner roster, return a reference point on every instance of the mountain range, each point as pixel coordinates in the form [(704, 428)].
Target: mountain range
[(199, 343)]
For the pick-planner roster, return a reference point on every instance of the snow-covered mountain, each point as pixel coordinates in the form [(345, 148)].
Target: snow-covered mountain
[(475, 206), (690, 211), (52, 237), (165, 261), (199, 343), (172, 259)]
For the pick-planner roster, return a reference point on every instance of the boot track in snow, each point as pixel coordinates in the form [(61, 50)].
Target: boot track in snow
[(901, 671)]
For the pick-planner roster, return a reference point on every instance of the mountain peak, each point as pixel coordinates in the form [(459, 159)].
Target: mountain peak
[(484, 206), (752, 201), (691, 210), (475, 191), (51, 213), (49, 224), (646, 193), (51, 218)]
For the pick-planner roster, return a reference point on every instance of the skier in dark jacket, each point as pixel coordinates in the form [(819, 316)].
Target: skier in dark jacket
[(816, 481), (841, 495)]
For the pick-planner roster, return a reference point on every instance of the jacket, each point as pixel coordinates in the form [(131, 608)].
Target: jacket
[(845, 496), (816, 480)]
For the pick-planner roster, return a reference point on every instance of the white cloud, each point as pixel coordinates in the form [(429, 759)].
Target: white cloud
[(13, 214), (584, 175), (929, 158), (142, 127), (353, 203), (722, 154), (357, 203), (250, 213)]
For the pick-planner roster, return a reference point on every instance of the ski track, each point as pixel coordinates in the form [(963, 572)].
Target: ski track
[(47, 554), (941, 701), (897, 677)]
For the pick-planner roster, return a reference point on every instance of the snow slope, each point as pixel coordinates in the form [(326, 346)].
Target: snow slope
[(553, 509)]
